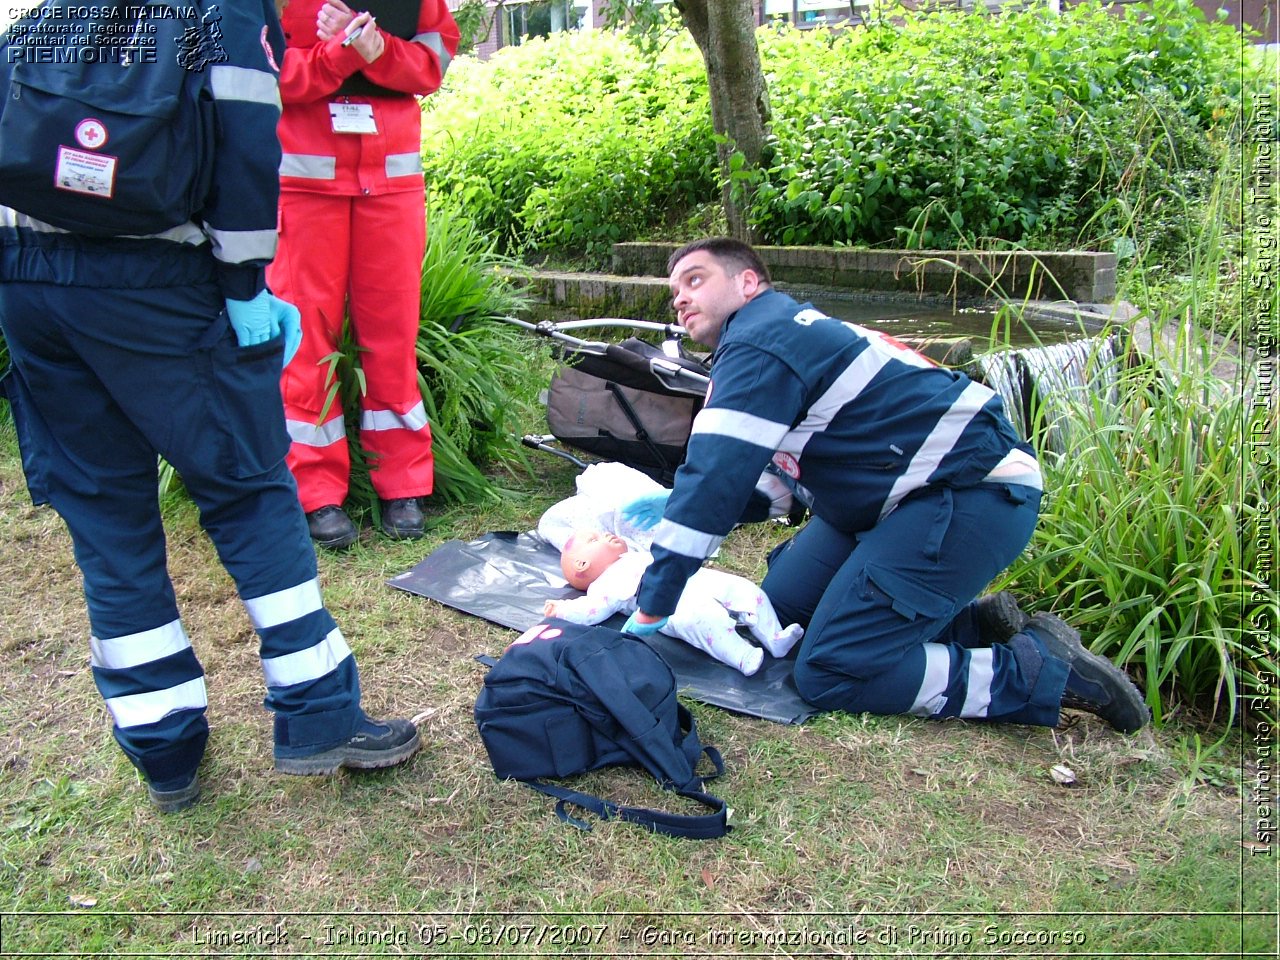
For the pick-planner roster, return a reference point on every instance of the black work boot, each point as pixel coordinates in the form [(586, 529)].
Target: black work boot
[(376, 744), (331, 528), (402, 518), (1095, 684), (999, 616), (175, 797)]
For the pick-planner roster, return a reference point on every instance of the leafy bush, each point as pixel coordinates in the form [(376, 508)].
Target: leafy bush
[(574, 142), (939, 128), (959, 130)]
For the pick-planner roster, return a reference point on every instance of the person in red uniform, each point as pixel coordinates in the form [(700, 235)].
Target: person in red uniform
[(352, 238)]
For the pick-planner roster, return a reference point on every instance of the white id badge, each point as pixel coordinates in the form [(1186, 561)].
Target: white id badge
[(352, 118)]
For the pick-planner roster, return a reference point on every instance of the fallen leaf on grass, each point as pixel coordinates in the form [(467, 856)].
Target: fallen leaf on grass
[(1062, 775), (708, 878)]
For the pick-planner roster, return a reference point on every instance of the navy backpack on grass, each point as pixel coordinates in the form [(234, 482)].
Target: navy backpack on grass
[(565, 699)]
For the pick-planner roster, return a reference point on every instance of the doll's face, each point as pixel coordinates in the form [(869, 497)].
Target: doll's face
[(588, 554)]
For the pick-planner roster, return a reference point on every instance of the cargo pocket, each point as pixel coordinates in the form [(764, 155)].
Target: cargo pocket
[(910, 599), (245, 387)]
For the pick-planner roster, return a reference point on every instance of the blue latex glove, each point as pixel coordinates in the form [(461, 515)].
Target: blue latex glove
[(263, 318), (252, 320), (646, 510), (636, 628), (289, 319)]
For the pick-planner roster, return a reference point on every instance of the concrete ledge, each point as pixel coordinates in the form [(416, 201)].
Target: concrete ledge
[(1016, 275), (556, 293), (599, 295)]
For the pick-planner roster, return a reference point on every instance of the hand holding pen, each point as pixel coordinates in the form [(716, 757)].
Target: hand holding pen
[(336, 19)]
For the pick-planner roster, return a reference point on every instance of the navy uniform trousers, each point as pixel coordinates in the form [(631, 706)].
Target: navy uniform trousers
[(139, 360), (890, 626)]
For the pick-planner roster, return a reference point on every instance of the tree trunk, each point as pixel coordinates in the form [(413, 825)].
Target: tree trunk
[(725, 31)]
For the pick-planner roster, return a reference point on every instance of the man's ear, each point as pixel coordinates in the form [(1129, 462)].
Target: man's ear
[(749, 282)]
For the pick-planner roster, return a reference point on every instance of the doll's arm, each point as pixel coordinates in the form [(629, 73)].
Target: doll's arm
[(586, 610)]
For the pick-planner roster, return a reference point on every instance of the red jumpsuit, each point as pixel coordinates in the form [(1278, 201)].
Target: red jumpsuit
[(352, 237)]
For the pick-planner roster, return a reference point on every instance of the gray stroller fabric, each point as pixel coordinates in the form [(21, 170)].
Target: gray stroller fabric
[(505, 578)]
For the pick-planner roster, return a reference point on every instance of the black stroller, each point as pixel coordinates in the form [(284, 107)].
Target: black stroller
[(631, 402)]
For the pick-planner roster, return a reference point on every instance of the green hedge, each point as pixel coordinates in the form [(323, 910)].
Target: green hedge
[(955, 129), (574, 143), (944, 129)]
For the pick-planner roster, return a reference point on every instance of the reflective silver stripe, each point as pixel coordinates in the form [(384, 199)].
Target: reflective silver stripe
[(412, 419), (312, 435), (310, 664), (686, 541), (120, 653), (308, 165), (977, 698), (433, 43), (403, 164), (720, 422), (933, 686), (241, 83), (851, 382), (938, 444), (138, 708), (1018, 466), (285, 605), (241, 246), (187, 233)]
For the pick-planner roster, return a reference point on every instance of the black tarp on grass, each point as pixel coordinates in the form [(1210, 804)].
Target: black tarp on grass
[(505, 578)]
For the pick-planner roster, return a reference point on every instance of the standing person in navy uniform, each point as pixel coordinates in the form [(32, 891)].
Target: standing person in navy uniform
[(128, 348), (921, 492), (352, 238)]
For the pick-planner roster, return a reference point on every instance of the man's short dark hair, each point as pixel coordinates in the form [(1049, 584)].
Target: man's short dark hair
[(734, 255)]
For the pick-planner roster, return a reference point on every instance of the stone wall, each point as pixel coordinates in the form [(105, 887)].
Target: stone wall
[(1019, 275)]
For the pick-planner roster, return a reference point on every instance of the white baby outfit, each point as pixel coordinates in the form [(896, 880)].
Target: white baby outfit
[(713, 602)]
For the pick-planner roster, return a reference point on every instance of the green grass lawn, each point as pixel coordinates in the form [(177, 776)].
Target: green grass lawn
[(854, 835)]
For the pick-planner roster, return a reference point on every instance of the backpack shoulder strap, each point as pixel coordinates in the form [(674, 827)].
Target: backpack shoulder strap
[(694, 749), (648, 743), (707, 826)]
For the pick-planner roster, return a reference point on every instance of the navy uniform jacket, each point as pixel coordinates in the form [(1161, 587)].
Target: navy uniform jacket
[(238, 223), (855, 419)]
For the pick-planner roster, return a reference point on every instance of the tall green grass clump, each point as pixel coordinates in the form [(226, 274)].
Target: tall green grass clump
[(1145, 535), (1139, 539), (474, 371)]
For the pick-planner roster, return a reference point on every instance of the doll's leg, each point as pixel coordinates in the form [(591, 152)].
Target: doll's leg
[(749, 605), (736, 594), (709, 627), (776, 638)]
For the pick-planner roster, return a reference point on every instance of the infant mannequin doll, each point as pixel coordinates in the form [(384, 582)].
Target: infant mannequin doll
[(713, 603)]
